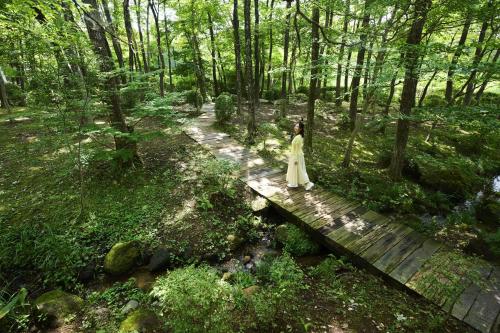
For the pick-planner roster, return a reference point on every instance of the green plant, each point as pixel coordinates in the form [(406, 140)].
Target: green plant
[(329, 267), (224, 107), (493, 241), (14, 312), (268, 129), (194, 98), (195, 300), (298, 243), (217, 176)]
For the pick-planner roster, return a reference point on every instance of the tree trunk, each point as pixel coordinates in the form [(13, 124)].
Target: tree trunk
[(141, 39), (346, 76), (389, 101), (167, 41), (256, 53), (222, 72), (348, 152), (155, 11), (112, 97), (487, 78), (454, 61), (313, 81), (410, 60), (214, 63), (270, 55), (128, 29), (353, 106), (200, 70), (424, 92), (338, 98), (251, 127), (3, 93), (477, 58), (237, 53), (148, 41), (286, 41), (116, 43)]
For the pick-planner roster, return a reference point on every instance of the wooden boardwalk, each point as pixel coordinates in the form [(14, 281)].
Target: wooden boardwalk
[(394, 250)]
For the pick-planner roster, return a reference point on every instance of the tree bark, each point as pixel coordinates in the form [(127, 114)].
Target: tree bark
[(214, 63), (237, 53), (251, 127), (116, 43), (487, 78), (313, 92), (112, 97), (353, 106), (338, 82), (477, 58), (128, 29), (454, 61), (155, 11), (200, 70), (270, 55), (410, 61), (256, 53), (286, 41), (3, 92), (141, 39), (167, 41)]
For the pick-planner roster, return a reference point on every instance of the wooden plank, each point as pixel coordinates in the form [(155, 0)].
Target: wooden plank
[(389, 260), (469, 295), (412, 263), (356, 224), (322, 207), (259, 173), (486, 306), (377, 233), (384, 244)]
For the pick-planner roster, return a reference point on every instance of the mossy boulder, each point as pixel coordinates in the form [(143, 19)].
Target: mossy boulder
[(281, 233), (58, 305), (234, 241), (488, 211), (141, 320), (121, 258)]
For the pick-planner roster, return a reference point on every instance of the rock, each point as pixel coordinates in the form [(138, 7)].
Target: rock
[(131, 305), (141, 320), (249, 291), (281, 233), (227, 276), (234, 242), (231, 266), (159, 260), (259, 204), (246, 259), (58, 305), (87, 273), (488, 211), (121, 258)]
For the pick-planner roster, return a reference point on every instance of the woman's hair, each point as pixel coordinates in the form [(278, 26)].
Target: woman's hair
[(301, 126)]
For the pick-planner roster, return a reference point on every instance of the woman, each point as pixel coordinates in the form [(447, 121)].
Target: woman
[(297, 174)]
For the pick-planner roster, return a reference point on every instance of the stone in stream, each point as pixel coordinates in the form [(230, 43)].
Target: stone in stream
[(131, 305), (246, 259), (58, 305), (234, 241), (121, 258), (141, 320), (160, 260)]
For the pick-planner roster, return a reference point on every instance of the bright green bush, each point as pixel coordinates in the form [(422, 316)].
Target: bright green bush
[(224, 107), (194, 98), (195, 300), (298, 243)]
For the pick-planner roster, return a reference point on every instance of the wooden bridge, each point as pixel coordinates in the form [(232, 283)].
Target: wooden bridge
[(394, 250)]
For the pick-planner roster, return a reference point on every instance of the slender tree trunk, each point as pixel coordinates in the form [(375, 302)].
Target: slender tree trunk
[(410, 60), (155, 11), (389, 101), (222, 72), (141, 39), (3, 93), (424, 92), (200, 70), (270, 55), (313, 92), (338, 98), (214, 63), (346, 76), (286, 42), (116, 43), (112, 97), (237, 53), (256, 53), (251, 126), (137, 58), (167, 41), (454, 61), (477, 58), (487, 78), (148, 40), (353, 106), (348, 152), (128, 29)]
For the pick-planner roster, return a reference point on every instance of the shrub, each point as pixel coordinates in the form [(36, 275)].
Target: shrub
[(272, 94), (217, 176), (493, 242), (15, 94), (297, 242), (434, 100), (299, 98), (194, 98), (195, 300), (329, 96), (224, 107), (329, 267), (302, 90)]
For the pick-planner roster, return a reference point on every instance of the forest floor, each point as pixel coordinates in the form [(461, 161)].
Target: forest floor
[(59, 221), (445, 178)]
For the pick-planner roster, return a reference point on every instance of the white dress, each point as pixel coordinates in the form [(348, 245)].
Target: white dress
[(296, 174)]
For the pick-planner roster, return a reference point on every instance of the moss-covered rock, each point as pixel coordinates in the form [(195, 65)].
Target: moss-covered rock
[(58, 305), (121, 258), (234, 241), (141, 320), (281, 233)]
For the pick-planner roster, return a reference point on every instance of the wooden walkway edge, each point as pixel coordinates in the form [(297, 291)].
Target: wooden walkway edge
[(394, 250)]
